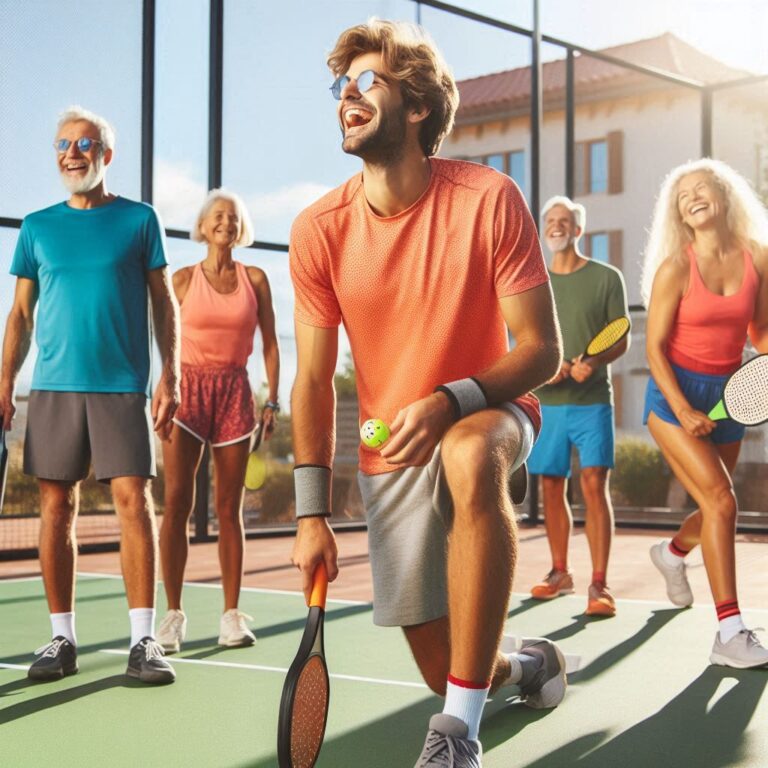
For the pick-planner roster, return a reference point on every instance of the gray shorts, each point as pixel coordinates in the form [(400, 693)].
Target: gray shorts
[(409, 516), (65, 430)]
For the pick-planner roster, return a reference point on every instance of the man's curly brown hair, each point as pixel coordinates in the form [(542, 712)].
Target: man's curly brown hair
[(412, 59)]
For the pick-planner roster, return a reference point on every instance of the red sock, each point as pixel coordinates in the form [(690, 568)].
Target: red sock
[(560, 566), (676, 549), (727, 608), (598, 577)]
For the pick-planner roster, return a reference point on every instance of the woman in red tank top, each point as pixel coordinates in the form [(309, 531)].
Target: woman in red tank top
[(222, 303), (705, 284)]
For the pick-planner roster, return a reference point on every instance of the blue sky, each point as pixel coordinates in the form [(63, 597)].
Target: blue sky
[(281, 142)]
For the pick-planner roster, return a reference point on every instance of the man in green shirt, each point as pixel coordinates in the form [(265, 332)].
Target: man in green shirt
[(577, 405)]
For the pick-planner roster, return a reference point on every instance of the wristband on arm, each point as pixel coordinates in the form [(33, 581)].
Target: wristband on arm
[(312, 483), (466, 396)]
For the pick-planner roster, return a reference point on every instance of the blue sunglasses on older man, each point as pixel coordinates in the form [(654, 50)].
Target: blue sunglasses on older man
[(84, 143), (364, 82)]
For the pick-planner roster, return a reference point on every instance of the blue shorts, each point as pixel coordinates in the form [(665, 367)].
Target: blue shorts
[(588, 427), (702, 391)]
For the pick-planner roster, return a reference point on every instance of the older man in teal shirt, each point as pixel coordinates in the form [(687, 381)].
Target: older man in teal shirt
[(89, 264)]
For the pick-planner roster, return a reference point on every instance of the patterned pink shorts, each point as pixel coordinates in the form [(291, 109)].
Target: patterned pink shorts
[(216, 404)]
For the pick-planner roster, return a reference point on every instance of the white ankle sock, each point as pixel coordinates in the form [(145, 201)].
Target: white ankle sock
[(64, 624), (467, 704), (730, 627), (142, 624), (670, 558), (516, 661)]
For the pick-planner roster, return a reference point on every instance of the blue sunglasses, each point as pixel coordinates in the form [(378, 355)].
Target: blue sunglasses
[(364, 82), (84, 143)]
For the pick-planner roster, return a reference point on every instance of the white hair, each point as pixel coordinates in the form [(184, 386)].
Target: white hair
[(745, 216), (578, 211), (246, 226), (104, 127)]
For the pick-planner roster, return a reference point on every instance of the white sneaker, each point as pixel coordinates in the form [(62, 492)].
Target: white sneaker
[(678, 588), (234, 632), (742, 651), (173, 629)]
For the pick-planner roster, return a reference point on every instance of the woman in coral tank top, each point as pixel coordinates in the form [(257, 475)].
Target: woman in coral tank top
[(705, 284), (222, 303)]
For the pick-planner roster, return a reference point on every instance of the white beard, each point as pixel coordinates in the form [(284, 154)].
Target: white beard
[(93, 177), (557, 244)]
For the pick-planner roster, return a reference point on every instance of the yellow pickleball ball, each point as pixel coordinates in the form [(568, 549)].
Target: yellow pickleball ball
[(374, 433)]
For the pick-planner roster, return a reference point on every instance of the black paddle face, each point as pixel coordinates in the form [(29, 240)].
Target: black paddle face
[(304, 704), (3, 466)]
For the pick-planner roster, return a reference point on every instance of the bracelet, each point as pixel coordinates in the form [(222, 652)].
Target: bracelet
[(273, 404), (466, 396), (312, 484)]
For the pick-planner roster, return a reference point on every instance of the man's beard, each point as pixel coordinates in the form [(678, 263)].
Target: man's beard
[(558, 244), (385, 145), (93, 177)]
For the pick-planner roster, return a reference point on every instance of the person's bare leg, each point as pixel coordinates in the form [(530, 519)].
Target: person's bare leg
[(181, 460), (58, 543), (599, 515), (138, 539), (706, 478), (229, 462), (558, 519), (476, 454)]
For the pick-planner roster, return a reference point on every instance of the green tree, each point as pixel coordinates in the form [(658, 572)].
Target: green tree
[(344, 380)]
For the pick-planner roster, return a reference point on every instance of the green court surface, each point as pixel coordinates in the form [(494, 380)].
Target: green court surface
[(644, 694)]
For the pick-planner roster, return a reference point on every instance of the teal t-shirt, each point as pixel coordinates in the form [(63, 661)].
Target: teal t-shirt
[(92, 327), (586, 301)]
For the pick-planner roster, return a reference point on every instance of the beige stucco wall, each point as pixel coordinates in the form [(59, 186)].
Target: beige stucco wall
[(661, 130)]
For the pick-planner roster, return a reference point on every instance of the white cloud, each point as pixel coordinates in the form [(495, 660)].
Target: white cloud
[(179, 195)]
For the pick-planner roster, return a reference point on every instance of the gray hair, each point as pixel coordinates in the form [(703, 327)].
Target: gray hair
[(246, 226), (104, 127), (578, 211)]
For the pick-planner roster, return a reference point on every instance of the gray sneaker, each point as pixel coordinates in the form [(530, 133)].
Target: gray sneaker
[(447, 745), (544, 682), (742, 651), (146, 663), (678, 588)]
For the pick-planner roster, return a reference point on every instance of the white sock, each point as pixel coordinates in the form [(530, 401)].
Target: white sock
[(142, 624), (517, 670), (730, 627), (466, 704), (64, 624), (670, 558)]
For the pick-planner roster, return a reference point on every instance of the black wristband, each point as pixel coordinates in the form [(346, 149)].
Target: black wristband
[(466, 396)]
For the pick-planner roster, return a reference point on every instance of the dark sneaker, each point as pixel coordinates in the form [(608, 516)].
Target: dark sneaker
[(56, 660), (543, 684), (146, 663), (447, 745)]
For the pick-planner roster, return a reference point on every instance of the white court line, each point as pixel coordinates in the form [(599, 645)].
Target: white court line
[(280, 670), (257, 590), (14, 666), (20, 578), (339, 601)]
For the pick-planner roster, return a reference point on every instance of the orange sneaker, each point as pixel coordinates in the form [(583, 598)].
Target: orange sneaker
[(600, 601), (555, 583)]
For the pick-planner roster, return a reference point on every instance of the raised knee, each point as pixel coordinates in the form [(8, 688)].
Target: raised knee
[(723, 503)]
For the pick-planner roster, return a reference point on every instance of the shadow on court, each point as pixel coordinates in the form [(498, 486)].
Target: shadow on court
[(655, 622), (687, 731), (525, 605), (57, 697)]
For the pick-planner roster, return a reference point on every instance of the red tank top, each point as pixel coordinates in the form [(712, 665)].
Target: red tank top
[(217, 328), (710, 330)]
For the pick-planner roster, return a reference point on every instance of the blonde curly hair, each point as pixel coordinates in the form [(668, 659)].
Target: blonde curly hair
[(746, 217)]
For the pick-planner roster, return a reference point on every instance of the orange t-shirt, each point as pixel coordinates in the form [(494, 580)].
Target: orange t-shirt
[(417, 292)]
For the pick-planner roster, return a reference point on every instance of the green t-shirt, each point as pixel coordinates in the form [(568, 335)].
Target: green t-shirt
[(586, 300)]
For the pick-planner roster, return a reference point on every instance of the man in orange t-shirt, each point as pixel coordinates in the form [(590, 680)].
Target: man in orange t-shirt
[(429, 263)]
